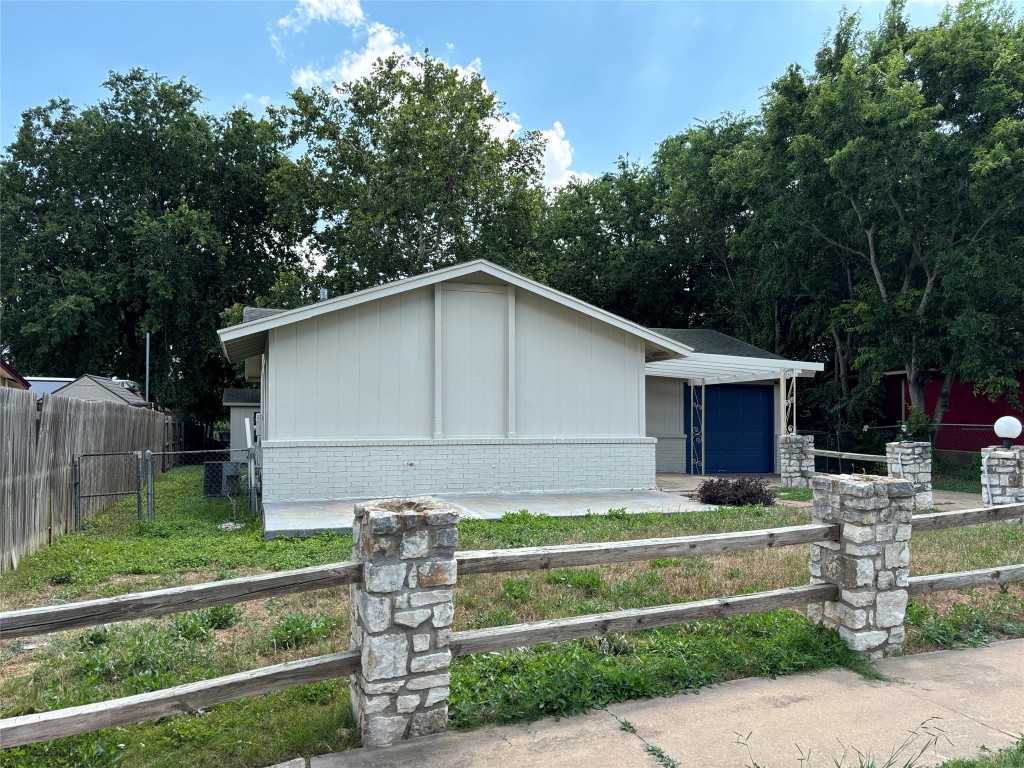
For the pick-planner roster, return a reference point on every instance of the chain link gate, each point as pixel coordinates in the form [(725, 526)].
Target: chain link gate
[(99, 478)]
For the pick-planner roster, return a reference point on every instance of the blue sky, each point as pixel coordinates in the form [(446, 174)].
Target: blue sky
[(601, 79)]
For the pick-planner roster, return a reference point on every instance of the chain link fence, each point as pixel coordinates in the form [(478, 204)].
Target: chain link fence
[(100, 479), (231, 474)]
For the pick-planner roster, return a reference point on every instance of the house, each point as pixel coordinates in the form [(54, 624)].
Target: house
[(46, 385), (721, 408), (242, 404), (10, 378), (474, 379), (97, 388)]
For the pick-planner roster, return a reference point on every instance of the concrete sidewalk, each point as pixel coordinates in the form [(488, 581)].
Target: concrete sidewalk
[(966, 698)]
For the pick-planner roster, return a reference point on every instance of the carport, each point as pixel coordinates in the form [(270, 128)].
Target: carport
[(721, 409)]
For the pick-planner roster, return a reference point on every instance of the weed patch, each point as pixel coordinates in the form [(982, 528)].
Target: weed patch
[(573, 677)]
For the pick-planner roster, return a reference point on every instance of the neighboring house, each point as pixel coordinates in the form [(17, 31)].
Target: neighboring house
[(89, 387), (10, 378), (721, 408), (242, 404), (468, 379), (47, 385), (968, 421)]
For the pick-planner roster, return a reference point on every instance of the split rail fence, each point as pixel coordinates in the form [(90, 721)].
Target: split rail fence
[(37, 451), (44, 726)]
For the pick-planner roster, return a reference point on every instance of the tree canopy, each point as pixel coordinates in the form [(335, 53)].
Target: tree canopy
[(137, 215), (869, 216)]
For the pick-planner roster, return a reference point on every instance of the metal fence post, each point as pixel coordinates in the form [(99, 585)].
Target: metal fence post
[(77, 480), (150, 511), (138, 477), (251, 479)]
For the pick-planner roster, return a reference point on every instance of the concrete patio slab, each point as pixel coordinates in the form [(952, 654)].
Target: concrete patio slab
[(308, 518)]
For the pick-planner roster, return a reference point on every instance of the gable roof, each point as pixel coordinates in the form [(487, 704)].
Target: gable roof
[(710, 342), (241, 396), (10, 374), (125, 395), (250, 338)]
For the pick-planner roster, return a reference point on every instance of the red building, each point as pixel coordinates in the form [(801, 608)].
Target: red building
[(967, 424)]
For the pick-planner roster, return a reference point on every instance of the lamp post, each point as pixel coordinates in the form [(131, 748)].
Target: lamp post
[(1008, 428)]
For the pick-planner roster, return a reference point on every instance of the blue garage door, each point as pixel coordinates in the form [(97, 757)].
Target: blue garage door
[(739, 428)]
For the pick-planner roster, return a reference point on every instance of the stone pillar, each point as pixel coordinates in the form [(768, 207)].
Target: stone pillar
[(401, 617), (913, 462), (1005, 475), (870, 562), (795, 458)]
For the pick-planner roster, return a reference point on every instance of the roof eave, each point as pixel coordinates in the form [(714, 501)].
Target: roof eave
[(233, 339)]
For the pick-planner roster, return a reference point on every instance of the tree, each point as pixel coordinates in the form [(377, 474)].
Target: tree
[(404, 171), (137, 214), (895, 172)]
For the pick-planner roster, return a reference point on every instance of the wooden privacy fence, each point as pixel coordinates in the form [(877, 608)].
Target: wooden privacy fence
[(37, 449), (369, 574)]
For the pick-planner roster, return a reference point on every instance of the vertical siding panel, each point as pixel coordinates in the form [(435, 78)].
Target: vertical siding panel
[(474, 353), (389, 352), (346, 424), (327, 418), (283, 372), (368, 339)]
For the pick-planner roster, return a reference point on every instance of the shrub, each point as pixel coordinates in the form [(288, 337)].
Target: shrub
[(741, 492)]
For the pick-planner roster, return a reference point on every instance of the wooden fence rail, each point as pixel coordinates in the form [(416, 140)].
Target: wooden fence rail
[(847, 455), (43, 726), (141, 605), (563, 556), (942, 520), (26, 729), (592, 625)]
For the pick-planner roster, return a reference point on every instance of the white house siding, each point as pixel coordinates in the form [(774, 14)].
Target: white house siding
[(362, 372), (239, 446), (89, 390), (474, 359), (518, 394), (574, 375), (312, 470), (666, 421)]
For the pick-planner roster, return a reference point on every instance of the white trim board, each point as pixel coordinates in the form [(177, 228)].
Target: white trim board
[(247, 339)]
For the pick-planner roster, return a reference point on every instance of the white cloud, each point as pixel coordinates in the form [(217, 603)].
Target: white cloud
[(503, 128), (381, 42), (263, 101), (275, 43), (558, 157), (347, 12)]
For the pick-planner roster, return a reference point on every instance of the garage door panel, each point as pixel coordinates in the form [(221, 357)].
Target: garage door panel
[(738, 428)]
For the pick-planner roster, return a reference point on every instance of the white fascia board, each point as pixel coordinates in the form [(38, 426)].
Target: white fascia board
[(234, 338), (756, 362)]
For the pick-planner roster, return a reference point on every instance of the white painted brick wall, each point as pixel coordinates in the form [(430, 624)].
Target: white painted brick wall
[(323, 469), (671, 454)]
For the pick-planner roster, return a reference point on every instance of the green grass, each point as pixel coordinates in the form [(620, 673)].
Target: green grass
[(572, 677), (1011, 757), (115, 555), (948, 476), (788, 493)]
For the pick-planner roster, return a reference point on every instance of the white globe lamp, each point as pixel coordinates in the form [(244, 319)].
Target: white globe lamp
[(1008, 428)]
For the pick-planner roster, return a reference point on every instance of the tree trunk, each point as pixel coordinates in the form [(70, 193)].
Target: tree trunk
[(942, 405)]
